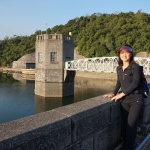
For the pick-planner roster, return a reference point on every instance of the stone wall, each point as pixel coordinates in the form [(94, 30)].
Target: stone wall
[(91, 124)]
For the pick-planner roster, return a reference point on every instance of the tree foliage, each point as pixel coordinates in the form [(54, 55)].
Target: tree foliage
[(95, 36)]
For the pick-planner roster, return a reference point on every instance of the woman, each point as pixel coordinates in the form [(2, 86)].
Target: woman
[(131, 99)]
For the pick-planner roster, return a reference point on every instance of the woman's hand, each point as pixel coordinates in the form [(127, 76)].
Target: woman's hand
[(117, 97), (110, 95)]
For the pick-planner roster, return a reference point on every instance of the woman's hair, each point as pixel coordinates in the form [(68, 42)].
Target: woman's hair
[(120, 62)]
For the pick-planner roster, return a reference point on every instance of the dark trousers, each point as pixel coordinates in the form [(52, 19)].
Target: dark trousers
[(131, 112)]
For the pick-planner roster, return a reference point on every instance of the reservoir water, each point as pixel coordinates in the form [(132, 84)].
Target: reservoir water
[(17, 98)]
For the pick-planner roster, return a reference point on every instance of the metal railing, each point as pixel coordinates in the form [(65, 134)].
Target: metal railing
[(104, 64)]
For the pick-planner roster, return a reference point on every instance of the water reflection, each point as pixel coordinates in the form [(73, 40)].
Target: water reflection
[(18, 100), (6, 78), (90, 87), (45, 104), (84, 88)]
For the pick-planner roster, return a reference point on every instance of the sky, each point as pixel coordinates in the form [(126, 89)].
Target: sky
[(24, 17)]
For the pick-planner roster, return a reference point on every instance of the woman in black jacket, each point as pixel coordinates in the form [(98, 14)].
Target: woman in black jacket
[(131, 100)]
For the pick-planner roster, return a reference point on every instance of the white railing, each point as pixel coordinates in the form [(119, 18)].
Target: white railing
[(104, 64)]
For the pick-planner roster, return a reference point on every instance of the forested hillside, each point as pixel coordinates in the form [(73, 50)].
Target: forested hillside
[(95, 36)]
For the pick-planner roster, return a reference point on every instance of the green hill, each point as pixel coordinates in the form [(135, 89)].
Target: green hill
[(94, 36)]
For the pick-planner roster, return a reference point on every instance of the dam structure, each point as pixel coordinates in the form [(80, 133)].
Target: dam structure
[(92, 124), (52, 51)]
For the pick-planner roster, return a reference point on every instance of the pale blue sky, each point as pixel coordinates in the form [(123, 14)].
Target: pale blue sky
[(24, 17)]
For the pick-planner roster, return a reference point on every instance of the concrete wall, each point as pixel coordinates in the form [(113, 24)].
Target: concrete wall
[(21, 63), (45, 68), (51, 87), (49, 75), (54, 89), (91, 124), (146, 113)]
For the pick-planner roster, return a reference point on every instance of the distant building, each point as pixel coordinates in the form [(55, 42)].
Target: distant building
[(28, 61), (25, 62), (52, 51)]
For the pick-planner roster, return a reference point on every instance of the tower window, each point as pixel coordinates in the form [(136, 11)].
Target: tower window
[(50, 36), (57, 37), (39, 56), (40, 37), (53, 56)]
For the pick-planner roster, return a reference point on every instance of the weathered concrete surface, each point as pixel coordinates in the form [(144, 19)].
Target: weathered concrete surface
[(105, 138), (52, 51), (54, 89), (77, 126), (87, 116), (21, 63), (146, 113), (115, 110), (83, 144), (48, 130), (100, 75)]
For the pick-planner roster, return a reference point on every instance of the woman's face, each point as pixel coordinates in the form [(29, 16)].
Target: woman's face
[(125, 55)]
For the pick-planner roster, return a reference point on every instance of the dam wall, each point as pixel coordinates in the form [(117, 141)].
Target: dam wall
[(94, 123), (91, 124)]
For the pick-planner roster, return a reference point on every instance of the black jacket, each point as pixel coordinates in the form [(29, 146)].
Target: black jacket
[(128, 80)]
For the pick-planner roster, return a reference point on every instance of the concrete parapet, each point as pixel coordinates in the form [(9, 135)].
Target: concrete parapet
[(146, 115), (90, 124), (48, 130), (86, 116), (108, 136)]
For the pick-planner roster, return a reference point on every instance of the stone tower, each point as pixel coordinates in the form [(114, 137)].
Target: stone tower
[(52, 51)]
